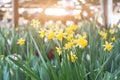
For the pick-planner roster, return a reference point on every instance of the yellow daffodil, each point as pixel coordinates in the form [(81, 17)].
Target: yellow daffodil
[(108, 46), (21, 41), (81, 42), (74, 27), (69, 37), (72, 57), (100, 33), (113, 39), (42, 33), (67, 46), (60, 36), (35, 23), (104, 35), (71, 43), (69, 30), (111, 31), (59, 51), (51, 35)]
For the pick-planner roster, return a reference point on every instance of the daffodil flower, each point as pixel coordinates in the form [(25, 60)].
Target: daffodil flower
[(35, 23), (42, 33), (111, 31), (59, 51), (108, 46), (50, 35), (21, 41), (113, 39), (72, 57), (81, 42)]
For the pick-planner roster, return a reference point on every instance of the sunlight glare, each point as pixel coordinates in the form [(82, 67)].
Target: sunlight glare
[(56, 11)]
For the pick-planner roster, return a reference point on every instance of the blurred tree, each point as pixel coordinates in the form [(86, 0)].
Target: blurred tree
[(107, 9)]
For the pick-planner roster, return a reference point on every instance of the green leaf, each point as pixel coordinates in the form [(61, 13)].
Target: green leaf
[(25, 69), (6, 73)]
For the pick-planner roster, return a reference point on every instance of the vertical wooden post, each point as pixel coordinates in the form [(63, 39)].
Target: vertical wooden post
[(15, 13), (107, 12)]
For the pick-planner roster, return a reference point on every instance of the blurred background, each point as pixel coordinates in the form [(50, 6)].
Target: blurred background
[(21, 12)]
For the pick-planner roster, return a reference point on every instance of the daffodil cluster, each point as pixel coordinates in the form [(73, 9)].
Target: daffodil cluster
[(108, 36), (69, 38), (67, 35), (103, 34)]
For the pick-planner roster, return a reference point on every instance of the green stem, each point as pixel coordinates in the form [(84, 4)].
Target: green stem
[(103, 66)]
